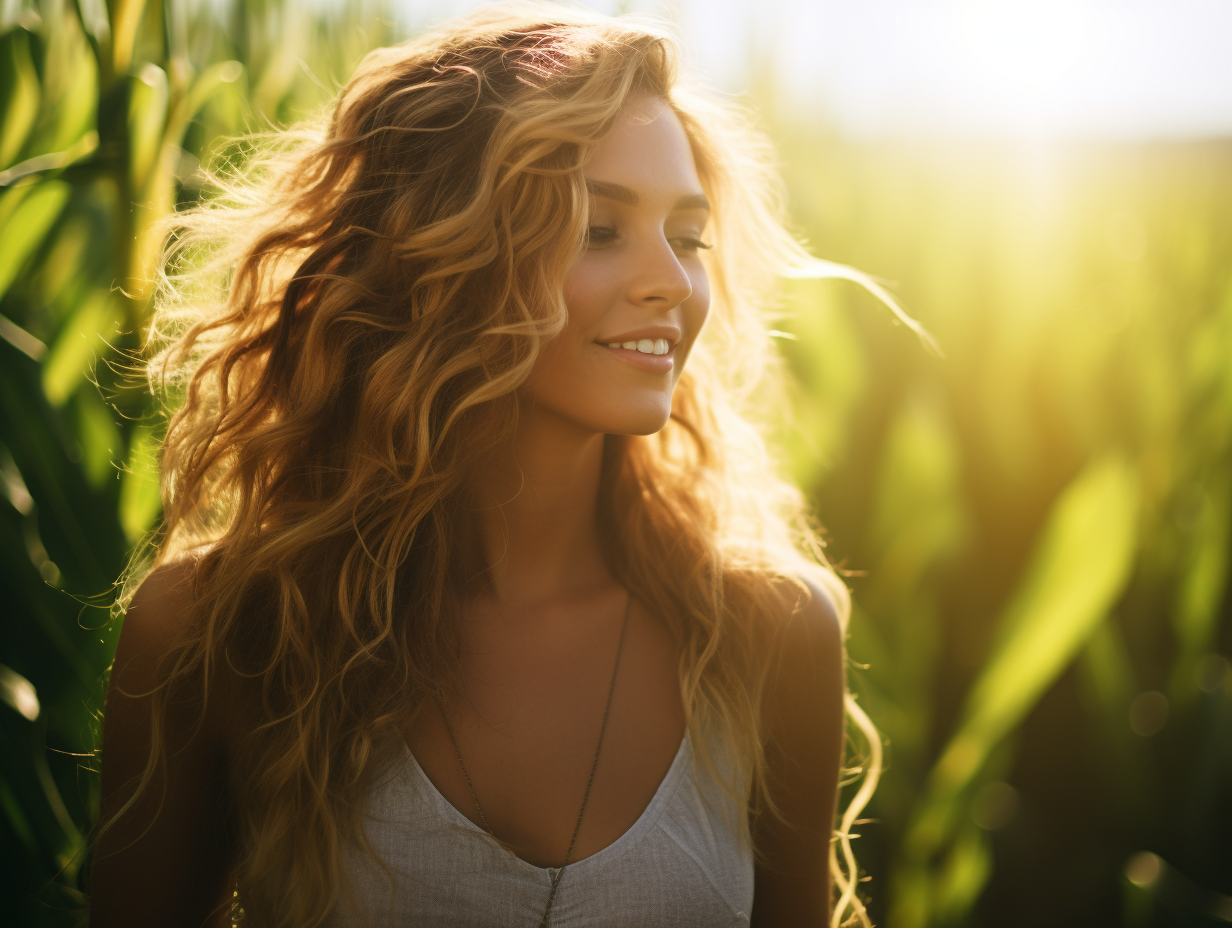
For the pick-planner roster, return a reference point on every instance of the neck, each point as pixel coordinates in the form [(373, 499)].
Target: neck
[(537, 510)]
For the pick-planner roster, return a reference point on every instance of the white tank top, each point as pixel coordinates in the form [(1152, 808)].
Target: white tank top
[(681, 865)]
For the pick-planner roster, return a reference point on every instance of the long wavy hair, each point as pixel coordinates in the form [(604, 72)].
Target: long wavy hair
[(344, 325)]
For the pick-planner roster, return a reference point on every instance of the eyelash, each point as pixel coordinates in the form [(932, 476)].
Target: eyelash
[(609, 235)]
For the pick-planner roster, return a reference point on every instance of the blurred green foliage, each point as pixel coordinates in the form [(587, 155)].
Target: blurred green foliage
[(1037, 525), (107, 110)]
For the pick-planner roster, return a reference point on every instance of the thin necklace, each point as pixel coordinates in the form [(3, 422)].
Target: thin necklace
[(589, 780)]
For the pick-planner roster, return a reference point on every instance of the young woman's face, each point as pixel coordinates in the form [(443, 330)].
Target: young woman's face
[(638, 295)]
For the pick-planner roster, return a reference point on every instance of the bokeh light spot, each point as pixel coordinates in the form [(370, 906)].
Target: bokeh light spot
[(1143, 869), (995, 806), (151, 75), (1214, 673), (19, 693), (1148, 713)]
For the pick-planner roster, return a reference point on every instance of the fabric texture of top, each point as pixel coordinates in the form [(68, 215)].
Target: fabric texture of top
[(681, 865)]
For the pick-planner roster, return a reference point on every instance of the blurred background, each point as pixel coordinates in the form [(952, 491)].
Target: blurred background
[(1036, 526)]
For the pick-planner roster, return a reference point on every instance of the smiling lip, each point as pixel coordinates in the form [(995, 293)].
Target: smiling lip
[(652, 332), (652, 363)]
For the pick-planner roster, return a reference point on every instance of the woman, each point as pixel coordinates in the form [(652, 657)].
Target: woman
[(475, 606)]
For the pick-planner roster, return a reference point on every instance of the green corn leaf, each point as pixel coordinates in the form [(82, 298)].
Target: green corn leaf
[(98, 438), (52, 161), (72, 355), (1203, 588), (125, 19), (27, 225), (1078, 570), (964, 873), (70, 87), (19, 94), (140, 505), (147, 116), (212, 79), (77, 525)]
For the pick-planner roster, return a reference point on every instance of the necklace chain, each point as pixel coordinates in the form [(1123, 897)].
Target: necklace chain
[(589, 780)]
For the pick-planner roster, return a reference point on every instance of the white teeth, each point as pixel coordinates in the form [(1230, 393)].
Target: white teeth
[(644, 345)]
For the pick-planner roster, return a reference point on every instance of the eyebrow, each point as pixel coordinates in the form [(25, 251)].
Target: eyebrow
[(622, 194)]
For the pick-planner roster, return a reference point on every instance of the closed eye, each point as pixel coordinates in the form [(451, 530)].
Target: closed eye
[(690, 244), (598, 236)]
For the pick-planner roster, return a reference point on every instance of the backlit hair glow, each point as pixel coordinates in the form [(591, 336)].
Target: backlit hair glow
[(342, 329)]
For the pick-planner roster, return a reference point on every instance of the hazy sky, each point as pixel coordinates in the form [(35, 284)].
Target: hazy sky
[(1098, 68)]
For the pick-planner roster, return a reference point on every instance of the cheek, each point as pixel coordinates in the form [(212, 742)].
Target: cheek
[(587, 290), (560, 368), (695, 310), (700, 299)]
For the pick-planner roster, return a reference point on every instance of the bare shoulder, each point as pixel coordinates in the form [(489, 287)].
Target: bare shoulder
[(802, 717), (164, 599), (810, 635), (167, 852), (802, 703), (157, 616)]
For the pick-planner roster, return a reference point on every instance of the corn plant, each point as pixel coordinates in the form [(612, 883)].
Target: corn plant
[(1037, 525), (106, 113)]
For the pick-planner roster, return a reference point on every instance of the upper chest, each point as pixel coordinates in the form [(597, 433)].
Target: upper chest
[(527, 724)]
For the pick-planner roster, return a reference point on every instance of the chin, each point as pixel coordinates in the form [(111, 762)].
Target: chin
[(604, 410), (644, 427), (640, 419)]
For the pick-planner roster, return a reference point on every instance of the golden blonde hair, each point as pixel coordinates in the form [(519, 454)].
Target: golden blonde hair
[(344, 326)]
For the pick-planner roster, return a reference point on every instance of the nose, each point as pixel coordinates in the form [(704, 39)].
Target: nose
[(658, 281)]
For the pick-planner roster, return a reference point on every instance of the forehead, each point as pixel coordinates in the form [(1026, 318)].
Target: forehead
[(647, 150)]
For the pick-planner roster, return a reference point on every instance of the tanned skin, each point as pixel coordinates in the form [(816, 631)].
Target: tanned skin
[(539, 646)]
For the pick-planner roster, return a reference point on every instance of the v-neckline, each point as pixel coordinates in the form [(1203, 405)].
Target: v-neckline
[(647, 820)]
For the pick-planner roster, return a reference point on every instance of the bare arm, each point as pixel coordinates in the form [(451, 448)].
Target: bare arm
[(168, 860), (803, 716)]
